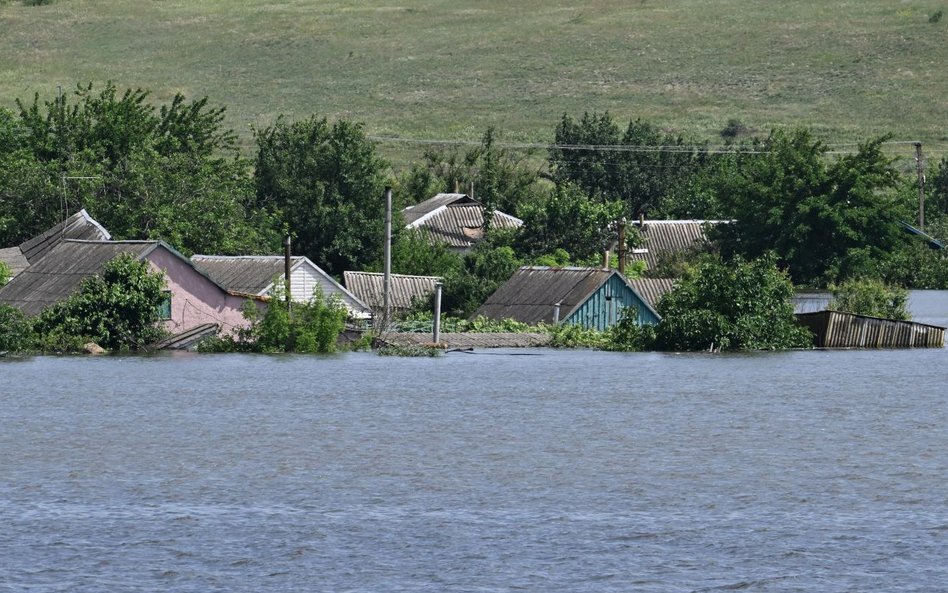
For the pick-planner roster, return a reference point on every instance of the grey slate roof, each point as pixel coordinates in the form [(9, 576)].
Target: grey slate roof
[(58, 274), (664, 237), (78, 226), (405, 289), (244, 274), (531, 293), (652, 289), (456, 220)]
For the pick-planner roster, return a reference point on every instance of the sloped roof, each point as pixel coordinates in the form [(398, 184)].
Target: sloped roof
[(532, 292), (79, 226), (245, 274), (14, 259), (652, 289), (665, 237), (58, 274), (404, 289), (456, 220)]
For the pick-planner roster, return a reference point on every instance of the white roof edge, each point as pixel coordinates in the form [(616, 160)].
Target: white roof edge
[(425, 217), (95, 223)]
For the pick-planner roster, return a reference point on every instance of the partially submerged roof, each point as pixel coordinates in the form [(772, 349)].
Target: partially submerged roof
[(531, 294), (79, 226), (57, 275), (405, 290), (254, 275), (663, 238), (456, 220), (245, 274)]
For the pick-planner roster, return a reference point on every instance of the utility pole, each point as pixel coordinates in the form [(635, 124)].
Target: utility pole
[(387, 276), (621, 247), (920, 168)]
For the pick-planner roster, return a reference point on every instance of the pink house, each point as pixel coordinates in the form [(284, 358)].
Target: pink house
[(195, 299)]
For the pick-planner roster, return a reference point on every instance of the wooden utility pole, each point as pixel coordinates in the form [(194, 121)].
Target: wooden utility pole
[(621, 247), (287, 265), (387, 276), (920, 167)]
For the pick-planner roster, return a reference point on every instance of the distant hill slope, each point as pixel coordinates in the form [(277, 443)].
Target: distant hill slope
[(447, 69)]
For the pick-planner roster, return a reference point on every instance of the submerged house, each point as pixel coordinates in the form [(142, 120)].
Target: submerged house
[(404, 292), (255, 275), (193, 299), (593, 298), (79, 226), (455, 220), (663, 240)]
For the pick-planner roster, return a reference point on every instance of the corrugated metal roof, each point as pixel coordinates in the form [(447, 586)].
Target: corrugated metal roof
[(532, 292), (834, 329), (652, 289), (58, 274), (456, 220), (664, 237), (405, 289), (247, 274), (79, 226)]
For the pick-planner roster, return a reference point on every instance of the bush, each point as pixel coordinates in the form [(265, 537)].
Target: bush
[(628, 336), (735, 305), (5, 273), (119, 310), (872, 297), (15, 332)]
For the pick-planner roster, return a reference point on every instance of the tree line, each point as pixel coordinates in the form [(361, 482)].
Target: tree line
[(173, 171)]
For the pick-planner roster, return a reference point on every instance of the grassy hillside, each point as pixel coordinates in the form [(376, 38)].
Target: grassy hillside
[(447, 69)]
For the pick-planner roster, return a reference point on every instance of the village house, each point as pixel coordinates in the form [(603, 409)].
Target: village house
[(593, 298), (78, 226), (193, 299), (257, 274), (455, 220), (665, 240), (405, 291)]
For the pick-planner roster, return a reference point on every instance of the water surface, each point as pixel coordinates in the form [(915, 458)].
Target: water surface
[(497, 471)]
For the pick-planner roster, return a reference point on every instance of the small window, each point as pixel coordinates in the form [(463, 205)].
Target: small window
[(164, 309)]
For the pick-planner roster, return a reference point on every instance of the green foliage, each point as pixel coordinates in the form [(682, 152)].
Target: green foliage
[(118, 310), (824, 221), (5, 273), (410, 351), (143, 172), (567, 220), (628, 336), (313, 327), (326, 184), (570, 335), (16, 335), (489, 264), (413, 254), (872, 297), (733, 305), (632, 173), (502, 180), (423, 321), (936, 16)]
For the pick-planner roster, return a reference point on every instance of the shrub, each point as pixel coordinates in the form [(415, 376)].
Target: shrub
[(15, 332), (872, 297), (5, 273)]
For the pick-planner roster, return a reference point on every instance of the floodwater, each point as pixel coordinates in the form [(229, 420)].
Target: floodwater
[(532, 470)]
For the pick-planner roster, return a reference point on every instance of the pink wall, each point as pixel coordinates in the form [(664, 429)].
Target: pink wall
[(195, 300)]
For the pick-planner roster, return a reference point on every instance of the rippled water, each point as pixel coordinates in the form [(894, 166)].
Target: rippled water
[(497, 471)]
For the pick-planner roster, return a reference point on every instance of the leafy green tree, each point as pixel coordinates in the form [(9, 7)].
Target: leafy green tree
[(503, 180), (171, 172), (119, 310), (566, 219), (489, 264), (641, 166), (325, 183), (413, 254), (16, 335), (735, 305), (872, 297), (5, 273), (825, 221)]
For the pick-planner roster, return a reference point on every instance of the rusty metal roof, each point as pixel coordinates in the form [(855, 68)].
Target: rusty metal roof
[(665, 237), (456, 220), (532, 292), (405, 289), (57, 275), (652, 289)]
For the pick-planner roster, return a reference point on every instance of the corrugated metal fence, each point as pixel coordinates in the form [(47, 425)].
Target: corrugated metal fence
[(833, 329)]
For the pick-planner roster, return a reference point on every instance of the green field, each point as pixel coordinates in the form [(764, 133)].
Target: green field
[(448, 69)]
